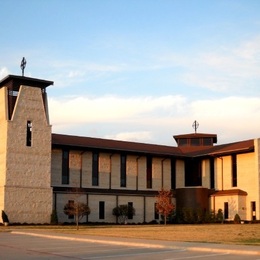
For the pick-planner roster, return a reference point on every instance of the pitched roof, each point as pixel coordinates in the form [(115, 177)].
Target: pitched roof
[(80, 142), (113, 145), (224, 149)]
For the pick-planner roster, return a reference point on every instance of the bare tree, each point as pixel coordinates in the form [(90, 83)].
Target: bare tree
[(164, 204), (76, 209)]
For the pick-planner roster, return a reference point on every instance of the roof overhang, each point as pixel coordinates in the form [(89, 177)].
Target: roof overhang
[(27, 81)]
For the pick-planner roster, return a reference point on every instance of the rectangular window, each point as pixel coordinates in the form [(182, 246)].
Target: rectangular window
[(212, 173), (149, 172), (29, 134), (130, 212), (207, 141), (95, 158), (193, 172), (195, 142), (173, 174), (101, 209), (253, 210), (225, 210), (65, 167), (156, 213), (183, 142), (234, 170), (123, 171), (71, 205)]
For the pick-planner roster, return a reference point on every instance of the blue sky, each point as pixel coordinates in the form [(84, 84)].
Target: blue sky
[(140, 70)]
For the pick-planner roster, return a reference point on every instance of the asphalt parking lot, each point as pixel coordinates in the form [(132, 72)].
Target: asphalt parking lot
[(44, 245)]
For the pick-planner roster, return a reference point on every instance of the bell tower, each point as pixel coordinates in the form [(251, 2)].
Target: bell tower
[(25, 150)]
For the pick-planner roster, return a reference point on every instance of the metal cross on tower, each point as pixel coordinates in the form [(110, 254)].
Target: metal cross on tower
[(195, 125), (23, 65)]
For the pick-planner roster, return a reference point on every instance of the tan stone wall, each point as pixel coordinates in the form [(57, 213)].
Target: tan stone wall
[(138, 204), (166, 174), (3, 143), (149, 209), (28, 204), (141, 173), (236, 205), (104, 170), (257, 170), (157, 173), (109, 171), (62, 199), (56, 166), (115, 171), (87, 169), (110, 203), (28, 167), (131, 169), (180, 174), (247, 180), (205, 173)]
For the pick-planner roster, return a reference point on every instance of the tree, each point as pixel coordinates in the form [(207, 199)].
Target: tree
[(54, 217), (5, 218), (122, 212), (237, 219), (164, 204), (77, 209)]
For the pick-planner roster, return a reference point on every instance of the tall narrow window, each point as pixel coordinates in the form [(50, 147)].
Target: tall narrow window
[(95, 181), (130, 211), (234, 170), (149, 172), (101, 209), (65, 178), (225, 210), (29, 134), (123, 171), (212, 173), (253, 210), (156, 213), (173, 174)]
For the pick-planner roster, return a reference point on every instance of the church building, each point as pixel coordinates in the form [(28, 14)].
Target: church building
[(41, 171)]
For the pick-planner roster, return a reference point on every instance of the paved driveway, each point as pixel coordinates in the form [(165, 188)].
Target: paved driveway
[(43, 245)]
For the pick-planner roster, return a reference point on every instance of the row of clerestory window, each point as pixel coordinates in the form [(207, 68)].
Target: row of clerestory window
[(123, 170)]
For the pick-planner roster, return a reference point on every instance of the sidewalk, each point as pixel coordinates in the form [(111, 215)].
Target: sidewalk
[(192, 246)]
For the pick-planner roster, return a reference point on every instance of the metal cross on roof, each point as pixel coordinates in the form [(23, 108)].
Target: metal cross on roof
[(195, 125), (23, 65)]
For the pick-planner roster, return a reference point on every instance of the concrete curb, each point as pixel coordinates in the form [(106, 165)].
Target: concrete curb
[(146, 245)]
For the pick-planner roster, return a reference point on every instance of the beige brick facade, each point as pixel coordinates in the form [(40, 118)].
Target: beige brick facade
[(26, 194)]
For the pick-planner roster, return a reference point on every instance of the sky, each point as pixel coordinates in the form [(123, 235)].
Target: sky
[(140, 70)]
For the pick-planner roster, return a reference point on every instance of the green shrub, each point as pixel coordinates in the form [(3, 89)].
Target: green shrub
[(220, 216), (54, 217), (4, 217), (237, 219)]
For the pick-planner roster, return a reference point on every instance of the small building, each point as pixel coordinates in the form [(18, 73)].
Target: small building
[(41, 171)]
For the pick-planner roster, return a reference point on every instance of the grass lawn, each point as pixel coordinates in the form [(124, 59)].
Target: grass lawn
[(247, 234)]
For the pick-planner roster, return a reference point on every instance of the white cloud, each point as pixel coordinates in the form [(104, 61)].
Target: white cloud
[(111, 108), (3, 72), (156, 119), (223, 69), (137, 136)]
